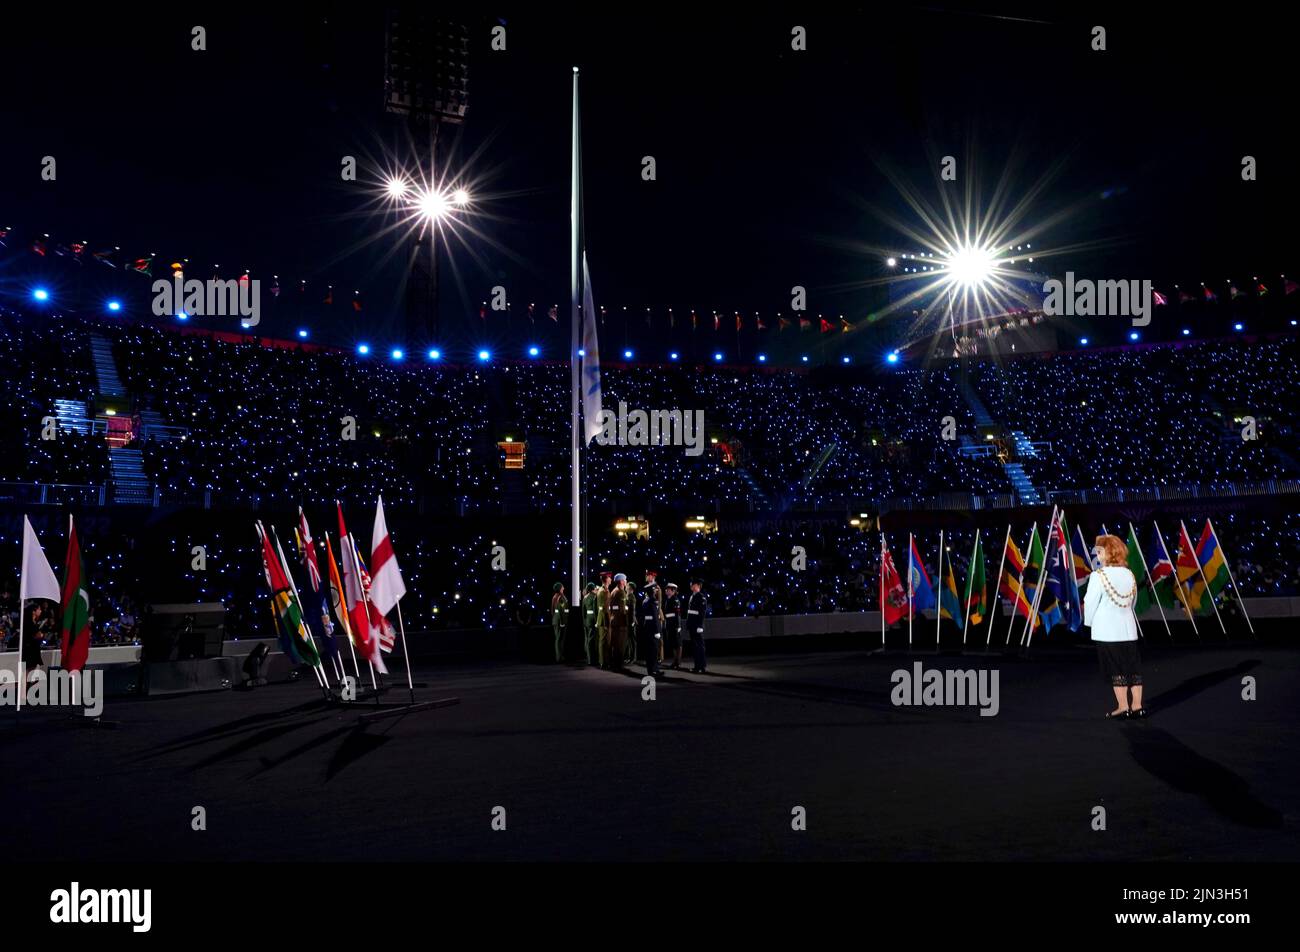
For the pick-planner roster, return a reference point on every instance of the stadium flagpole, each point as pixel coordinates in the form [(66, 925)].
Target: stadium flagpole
[(1240, 601), (575, 339), (321, 676), (909, 591), (938, 604), (347, 634), (970, 576), (1028, 637), (1015, 604), (1178, 585), (1197, 559), (997, 590), (882, 591), (1155, 595)]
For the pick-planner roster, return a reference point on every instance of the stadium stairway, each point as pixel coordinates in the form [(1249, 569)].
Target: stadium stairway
[(71, 415), (757, 496), (101, 353), (1020, 482), (130, 483), (152, 426), (977, 408)]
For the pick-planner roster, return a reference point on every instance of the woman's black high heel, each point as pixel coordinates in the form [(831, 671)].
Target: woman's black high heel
[(1117, 715), (1141, 712)]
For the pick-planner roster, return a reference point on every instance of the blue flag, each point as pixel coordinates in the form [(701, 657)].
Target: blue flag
[(918, 581), (1062, 589)]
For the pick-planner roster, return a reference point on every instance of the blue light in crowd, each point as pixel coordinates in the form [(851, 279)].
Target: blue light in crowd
[(302, 332), (673, 356), (115, 305), (845, 359), (484, 355), (762, 358), (627, 355), (397, 353), (582, 352), (1236, 327), (1133, 335), (891, 359), (363, 349), (435, 354), (804, 358), (1293, 325), (533, 351), (41, 294), (182, 316), (718, 357), (1187, 332)]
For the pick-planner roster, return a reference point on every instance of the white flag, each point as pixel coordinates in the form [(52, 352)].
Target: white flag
[(589, 365), (386, 585), (37, 580)]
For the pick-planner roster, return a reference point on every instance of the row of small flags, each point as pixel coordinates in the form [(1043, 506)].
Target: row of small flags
[(78, 252), (1043, 582), (359, 601), (758, 323)]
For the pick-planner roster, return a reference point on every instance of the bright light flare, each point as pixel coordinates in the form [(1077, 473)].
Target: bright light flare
[(396, 188), (971, 266)]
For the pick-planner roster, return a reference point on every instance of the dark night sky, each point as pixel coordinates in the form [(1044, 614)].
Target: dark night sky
[(769, 161)]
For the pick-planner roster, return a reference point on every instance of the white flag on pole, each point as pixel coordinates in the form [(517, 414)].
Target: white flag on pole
[(590, 361), (386, 585), (37, 580)]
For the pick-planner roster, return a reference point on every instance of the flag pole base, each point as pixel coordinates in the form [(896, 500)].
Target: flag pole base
[(398, 710)]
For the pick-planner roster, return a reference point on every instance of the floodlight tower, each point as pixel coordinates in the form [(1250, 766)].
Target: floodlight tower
[(426, 70)]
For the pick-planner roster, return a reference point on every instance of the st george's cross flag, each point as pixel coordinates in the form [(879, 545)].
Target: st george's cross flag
[(358, 607), (75, 645), (386, 585)]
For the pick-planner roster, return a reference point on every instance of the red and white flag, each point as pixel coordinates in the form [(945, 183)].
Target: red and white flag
[(386, 585), (358, 606)]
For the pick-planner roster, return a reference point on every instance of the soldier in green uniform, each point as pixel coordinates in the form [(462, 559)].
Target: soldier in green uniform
[(622, 619), (590, 610), (559, 618), (603, 647)]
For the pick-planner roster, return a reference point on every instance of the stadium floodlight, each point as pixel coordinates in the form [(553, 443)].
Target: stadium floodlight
[(396, 187), (718, 357), (302, 332), (363, 349), (891, 262), (1083, 342), (804, 358), (1133, 335), (435, 354), (115, 305), (41, 294), (627, 355), (182, 316), (673, 356), (891, 358), (484, 355), (582, 352), (397, 353), (762, 358), (460, 197), (1187, 331), (433, 205), (844, 359), (970, 266), (1238, 327), (534, 351)]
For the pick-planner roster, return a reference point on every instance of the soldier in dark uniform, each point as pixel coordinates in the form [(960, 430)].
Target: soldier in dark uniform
[(673, 624), (559, 618), (604, 648), (649, 617), (622, 619), (652, 585), (697, 609), (590, 609)]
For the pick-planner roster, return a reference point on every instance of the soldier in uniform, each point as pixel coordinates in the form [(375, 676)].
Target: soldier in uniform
[(622, 619), (589, 612), (697, 609), (653, 586), (603, 646), (650, 623), (673, 624), (559, 618)]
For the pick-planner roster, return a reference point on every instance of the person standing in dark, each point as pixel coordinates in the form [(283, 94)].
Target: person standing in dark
[(673, 624), (559, 618), (697, 609), (590, 610), (649, 628)]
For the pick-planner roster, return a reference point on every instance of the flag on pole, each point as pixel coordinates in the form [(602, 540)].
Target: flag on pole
[(380, 627), (386, 585), (315, 594), (1032, 572), (293, 631), (1213, 564), (949, 601), (1012, 587), (338, 602), (1135, 565), (918, 581), (1161, 568), (37, 579), (894, 603), (976, 586), (1084, 563), (75, 645), (357, 606), (589, 361), (1061, 583), (1190, 589)]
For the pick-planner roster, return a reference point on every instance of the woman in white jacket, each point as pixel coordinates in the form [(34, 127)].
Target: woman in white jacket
[(1108, 610)]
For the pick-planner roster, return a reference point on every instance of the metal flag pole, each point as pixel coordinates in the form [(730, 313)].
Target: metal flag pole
[(377, 635), (293, 587), (347, 634), (1178, 586), (882, 591), (1209, 594), (1015, 603), (997, 590), (970, 578), (909, 591), (406, 655), (575, 564), (938, 606), (1151, 583), (1027, 638), (1240, 600)]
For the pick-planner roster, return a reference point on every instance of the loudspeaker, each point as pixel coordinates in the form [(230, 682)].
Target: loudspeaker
[(184, 677), (181, 632)]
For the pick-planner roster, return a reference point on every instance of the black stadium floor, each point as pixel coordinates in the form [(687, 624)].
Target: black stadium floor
[(711, 769)]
